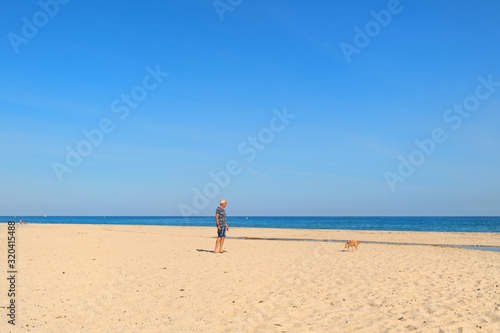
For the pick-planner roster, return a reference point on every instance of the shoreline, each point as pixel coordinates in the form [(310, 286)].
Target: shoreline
[(470, 247), (244, 227), (436, 238), (466, 240)]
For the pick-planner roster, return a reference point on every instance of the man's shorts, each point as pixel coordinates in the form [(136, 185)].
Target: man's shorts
[(221, 232)]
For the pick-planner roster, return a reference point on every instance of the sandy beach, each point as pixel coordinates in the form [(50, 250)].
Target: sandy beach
[(114, 278)]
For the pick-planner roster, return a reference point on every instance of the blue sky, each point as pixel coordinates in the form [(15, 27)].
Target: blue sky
[(281, 107)]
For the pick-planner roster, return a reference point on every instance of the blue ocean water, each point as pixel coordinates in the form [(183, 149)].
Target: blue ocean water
[(390, 223)]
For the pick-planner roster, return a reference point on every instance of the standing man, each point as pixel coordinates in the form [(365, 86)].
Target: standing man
[(220, 218)]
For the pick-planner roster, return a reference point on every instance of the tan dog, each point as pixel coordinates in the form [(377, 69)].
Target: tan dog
[(353, 244)]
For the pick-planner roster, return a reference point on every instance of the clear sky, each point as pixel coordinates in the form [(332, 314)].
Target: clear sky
[(281, 107)]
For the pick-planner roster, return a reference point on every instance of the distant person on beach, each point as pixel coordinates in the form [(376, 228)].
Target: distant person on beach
[(220, 219), (21, 222)]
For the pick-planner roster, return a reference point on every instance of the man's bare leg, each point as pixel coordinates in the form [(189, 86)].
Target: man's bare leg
[(217, 243), (221, 248)]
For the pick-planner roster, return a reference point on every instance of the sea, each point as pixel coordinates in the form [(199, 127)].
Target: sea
[(489, 224)]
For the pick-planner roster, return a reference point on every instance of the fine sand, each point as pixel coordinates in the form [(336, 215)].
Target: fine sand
[(109, 278)]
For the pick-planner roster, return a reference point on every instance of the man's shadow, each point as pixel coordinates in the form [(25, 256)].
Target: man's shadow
[(200, 250)]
